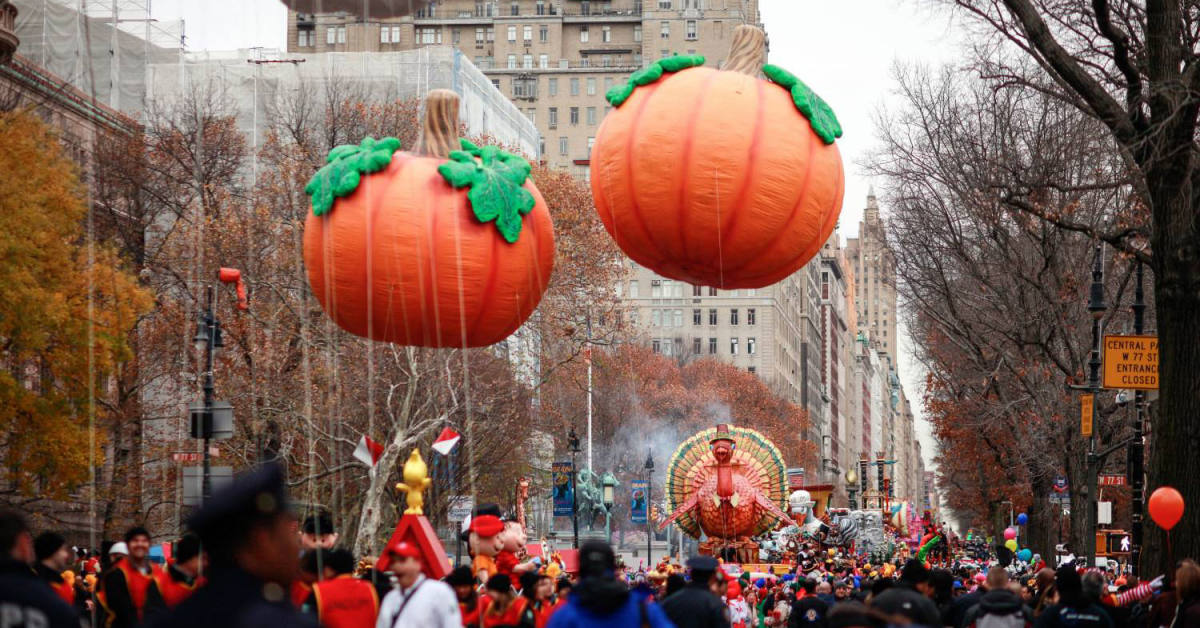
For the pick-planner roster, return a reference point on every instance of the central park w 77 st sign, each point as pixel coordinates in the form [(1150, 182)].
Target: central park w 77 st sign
[(1131, 362)]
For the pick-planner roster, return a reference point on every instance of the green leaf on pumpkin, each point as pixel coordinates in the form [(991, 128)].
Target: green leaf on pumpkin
[(344, 168), (651, 73), (818, 112), (496, 178)]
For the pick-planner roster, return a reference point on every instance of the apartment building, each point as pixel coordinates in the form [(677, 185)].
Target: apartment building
[(555, 59), (875, 270)]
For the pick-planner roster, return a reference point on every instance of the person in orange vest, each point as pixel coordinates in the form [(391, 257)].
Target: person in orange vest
[(507, 609), (538, 589), (181, 578), (471, 604), (130, 593), (341, 600), (53, 558)]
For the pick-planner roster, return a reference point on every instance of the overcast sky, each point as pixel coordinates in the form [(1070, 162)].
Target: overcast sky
[(844, 49)]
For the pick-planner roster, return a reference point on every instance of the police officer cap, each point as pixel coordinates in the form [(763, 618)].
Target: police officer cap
[(253, 497), (703, 563)]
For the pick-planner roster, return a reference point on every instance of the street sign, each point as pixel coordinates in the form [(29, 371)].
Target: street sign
[(195, 456), (460, 507), (1060, 498), (1060, 483), (1086, 408), (1131, 362), (1112, 479), (1104, 513)]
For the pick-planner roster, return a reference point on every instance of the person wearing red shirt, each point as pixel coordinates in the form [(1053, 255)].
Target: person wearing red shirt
[(471, 605), (538, 589), (182, 577), (344, 601), (53, 558), (130, 591), (507, 609)]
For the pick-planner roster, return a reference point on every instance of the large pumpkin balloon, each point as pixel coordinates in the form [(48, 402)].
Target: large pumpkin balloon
[(415, 249), (716, 177)]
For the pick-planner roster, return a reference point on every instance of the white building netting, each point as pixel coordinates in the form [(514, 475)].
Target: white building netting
[(253, 82)]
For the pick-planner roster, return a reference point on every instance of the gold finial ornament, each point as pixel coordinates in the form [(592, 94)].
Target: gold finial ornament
[(416, 480)]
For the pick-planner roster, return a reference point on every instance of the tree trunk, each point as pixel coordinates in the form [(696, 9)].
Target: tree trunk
[(370, 519), (1174, 434), (1042, 530)]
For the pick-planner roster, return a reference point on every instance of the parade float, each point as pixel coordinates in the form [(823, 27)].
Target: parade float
[(449, 245), (715, 176), (727, 484)]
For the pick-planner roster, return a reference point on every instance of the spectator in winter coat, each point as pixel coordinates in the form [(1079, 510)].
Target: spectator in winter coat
[(1075, 609), (600, 600), (1187, 589)]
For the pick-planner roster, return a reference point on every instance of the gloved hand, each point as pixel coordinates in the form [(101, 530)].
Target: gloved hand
[(1157, 583)]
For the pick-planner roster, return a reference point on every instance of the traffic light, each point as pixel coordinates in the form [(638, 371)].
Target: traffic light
[(654, 513)]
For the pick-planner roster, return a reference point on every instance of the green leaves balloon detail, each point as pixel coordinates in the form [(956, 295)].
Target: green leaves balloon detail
[(495, 178), (496, 181)]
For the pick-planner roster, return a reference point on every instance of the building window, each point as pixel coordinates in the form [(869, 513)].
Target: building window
[(664, 30), (605, 61), (637, 32), (512, 62), (543, 33), (544, 61), (606, 34), (751, 369), (664, 4), (664, 53), (591, 87), (750, 316), (733, 317), (512, 34), (591, 116), (585, 62), (527, 61), (553, 87), (574, 86), (574, 116), (516, 8), (679, 318), (385, 35), (633, 288), (697, 291), (696, 316), (656, 345), (733, 344), (667, 346), (541, 7), (479, 35), (524, 87), (591, 143), (695, 346), (455, 35), (637, 59), (331, 35), (750, 346), (562, 150), (656, 318), (583, 34), (691, 29), (305, 38), (527, 31), (429, 35), (691, 4), (341, 34), (553, 113), (712, 292), (712, 346), (655, 289), (712, 316), (491, 34)]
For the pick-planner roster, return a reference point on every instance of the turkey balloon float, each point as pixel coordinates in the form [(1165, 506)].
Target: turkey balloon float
[(717, 177), (439, 247)]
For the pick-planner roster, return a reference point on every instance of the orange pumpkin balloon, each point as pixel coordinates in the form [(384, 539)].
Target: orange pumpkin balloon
[(401, 247), (716, 177)]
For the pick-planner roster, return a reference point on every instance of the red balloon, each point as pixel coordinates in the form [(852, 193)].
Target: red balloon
[(1166, 507)]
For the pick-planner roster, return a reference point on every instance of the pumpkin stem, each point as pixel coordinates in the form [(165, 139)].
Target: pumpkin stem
[(748, 52), (439, 125)]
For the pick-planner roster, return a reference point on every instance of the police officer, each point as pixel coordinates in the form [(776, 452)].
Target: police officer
[(249, 536), (695, 606), (25, 600)]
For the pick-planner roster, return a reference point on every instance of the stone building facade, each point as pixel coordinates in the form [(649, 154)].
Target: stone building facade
[(555, 59)]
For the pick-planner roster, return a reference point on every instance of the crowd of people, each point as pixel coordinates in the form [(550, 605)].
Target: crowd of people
[(247, 561)]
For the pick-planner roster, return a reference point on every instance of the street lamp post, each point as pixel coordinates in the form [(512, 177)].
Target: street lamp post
[(851, 487), (608, 483), (1096, 307), (649, 523), (207, 339), (1136, 454), (573, 443)]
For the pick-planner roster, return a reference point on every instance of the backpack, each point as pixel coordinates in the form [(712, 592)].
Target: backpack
[(1016, 619)]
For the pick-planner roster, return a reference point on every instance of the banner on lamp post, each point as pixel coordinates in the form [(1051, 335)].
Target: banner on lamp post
[(563, 479), (637, 501)]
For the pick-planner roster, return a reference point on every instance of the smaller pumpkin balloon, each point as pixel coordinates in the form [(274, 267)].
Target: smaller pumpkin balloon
[(417, 249), (1166, 507)]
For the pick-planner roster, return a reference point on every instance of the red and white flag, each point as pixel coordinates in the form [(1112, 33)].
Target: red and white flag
[(446, 441), (368, 451)]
